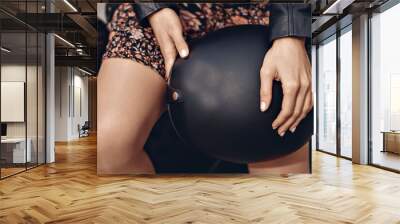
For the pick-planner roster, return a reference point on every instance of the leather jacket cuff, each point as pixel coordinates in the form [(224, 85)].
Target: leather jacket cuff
[(144, 10), (290, 20)]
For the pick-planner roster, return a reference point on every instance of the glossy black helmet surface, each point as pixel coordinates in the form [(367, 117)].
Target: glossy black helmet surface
[(214, 98)]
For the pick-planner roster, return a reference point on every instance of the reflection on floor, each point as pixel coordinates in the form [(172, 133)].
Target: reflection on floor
[(69, 191), (387, 159), (11, 169)]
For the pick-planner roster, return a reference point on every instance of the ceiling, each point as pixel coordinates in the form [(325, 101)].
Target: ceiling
[(72, 20)]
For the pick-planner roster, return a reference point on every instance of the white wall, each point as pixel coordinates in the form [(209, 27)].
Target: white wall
[(13, 101), (17, 72), (69, 84), (12, 73), (33, 126), (62, 81), (81, 84)]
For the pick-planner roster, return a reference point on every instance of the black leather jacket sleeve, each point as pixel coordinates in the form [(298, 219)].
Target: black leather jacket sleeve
[(286, 19), (289, 19)]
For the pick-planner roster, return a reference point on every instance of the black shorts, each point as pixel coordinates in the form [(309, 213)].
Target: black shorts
[(170, 155)]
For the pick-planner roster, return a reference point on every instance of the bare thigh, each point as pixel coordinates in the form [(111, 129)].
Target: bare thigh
[(296, 162), (130, 101)]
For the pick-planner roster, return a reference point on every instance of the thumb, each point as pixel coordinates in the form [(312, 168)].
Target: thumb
[(267, 74)]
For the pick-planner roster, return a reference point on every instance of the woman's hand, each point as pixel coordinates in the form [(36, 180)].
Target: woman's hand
[(287, 61), (168, 31)]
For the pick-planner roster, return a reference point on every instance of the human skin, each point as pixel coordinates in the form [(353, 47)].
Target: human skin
[(130, 105), (296, 162)]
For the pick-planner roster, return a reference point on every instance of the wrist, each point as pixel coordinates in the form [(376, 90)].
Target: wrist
[(160, 11), (289, 41)]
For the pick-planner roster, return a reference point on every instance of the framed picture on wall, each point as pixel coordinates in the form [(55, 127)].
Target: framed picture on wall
[(12, 101)]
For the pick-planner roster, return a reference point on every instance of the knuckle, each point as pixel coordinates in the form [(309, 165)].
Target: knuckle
[(304, 113), (291, 120), (170, 53), (290, 92), (264, 72), (180, 41), (174, 29), (170, 49), (292, 87), (161, 37), (285, 114), (264, 93), (305, 85), (296, 114), (176, 33)]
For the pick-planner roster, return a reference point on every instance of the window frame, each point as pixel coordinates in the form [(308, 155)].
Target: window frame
[(333, 36)]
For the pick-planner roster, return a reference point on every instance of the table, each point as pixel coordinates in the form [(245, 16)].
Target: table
[(13, 150), (391, 141)]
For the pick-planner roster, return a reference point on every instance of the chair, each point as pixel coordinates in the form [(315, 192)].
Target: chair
[(84, 129)]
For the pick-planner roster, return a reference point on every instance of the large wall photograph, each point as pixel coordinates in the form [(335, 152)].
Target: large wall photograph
[(204, 88)]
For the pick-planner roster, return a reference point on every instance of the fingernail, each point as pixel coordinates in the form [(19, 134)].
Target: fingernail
[(274, 126), (175, 96), (263, 106), (293, 129), (282, 133), (183, 53)]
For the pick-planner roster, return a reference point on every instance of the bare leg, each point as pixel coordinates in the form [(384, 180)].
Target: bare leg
[(297, 162), (130, 100)]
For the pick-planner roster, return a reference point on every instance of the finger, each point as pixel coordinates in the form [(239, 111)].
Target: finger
[(180, 43), (301, 96), (168, 51), (308, 104), (267, 74), (169, 63), (290, 90)]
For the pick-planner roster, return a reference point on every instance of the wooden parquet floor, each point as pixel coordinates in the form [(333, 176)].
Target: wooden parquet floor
[(70, 192)]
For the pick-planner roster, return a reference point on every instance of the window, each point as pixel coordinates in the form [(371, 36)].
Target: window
[(345, 92), (326, 137), (22, 78), (385, 89)]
